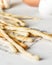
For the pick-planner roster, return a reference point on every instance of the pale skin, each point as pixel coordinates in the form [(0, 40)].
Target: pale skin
[(34, 3)]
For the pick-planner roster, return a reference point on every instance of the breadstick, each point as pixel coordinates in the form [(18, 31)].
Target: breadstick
[(20, 43), (47, 33), (2, 21), (13, 49), (16, 40), (45, 36), (9, 22), (32, 31), (26, 39), (20, 32), (6, 23), (22, 23), (26, 34), (20, 17), (7, 45), (21, 38), (25, 53), (50, 34), (15, 16)]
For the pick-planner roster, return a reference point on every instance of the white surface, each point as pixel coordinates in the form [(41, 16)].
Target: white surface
[(45, 8), (42, 48)]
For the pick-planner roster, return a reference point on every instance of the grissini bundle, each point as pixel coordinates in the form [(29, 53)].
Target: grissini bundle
[(32, 31), (19, 32), (21, 38), (16, 40), (8, 21), (12, 47), (25, 53), (22, 23), (4, 23), (24, 39), (20, 43)]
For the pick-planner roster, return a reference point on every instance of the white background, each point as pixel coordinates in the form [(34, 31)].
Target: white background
[(42, 48)]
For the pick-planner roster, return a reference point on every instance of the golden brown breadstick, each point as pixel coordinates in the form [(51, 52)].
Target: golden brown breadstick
[(25, 53), (20, 17), (22, 23), (26, 34), (8, 22), (20, 43), (12, 47), (21, 38), (20, 32), (16, 40), (45, 36), (32, 31), (50, 34), (4, 23), (15, 16)]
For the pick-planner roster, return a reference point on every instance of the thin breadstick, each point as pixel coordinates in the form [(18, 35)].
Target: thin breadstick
[(13, 49), (20, 17), (24, 39), (16, 16), (19, 32), (50, 34), (1, 35), (22, 23), (45, 36), (21, 38), (47, 33), (26, 34), (25, 53), (9, 22), (16, 29), (20, 43), (2, 21), (6, 23), (6, 44), (16, 40), (32, 31), (2, 25)]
